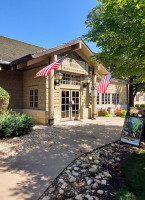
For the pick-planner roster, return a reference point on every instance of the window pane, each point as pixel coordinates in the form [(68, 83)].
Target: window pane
[(31, 92), (63, 108), (77, 94), (67, 113), (62, 114), (63, 93), (67, 107), (67, 93), (67, 100), (73, 113), (36, 98), (62, 100), (77, 107), (36, 105), (73, 107), (36, 92), (73, 94)]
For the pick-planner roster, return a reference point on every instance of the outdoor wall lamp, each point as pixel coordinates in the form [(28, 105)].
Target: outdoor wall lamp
[(86, 81), (58, 78)]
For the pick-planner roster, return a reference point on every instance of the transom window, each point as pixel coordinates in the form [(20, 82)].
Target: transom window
[(115, 99), (34, 98), (106, 98), (70, 79)]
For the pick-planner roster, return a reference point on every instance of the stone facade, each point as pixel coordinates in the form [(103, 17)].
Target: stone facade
[(48, 103)]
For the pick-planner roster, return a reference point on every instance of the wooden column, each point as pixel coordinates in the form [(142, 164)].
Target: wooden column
[(51, 92), (93, 97)]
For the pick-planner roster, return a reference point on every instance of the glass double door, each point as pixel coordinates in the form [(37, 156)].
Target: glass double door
[(70, 100)]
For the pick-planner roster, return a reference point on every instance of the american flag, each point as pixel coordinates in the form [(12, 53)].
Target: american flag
[(104, 83), (46, 70)]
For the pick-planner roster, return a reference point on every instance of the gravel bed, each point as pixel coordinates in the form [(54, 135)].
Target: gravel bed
[(92, 176), (40, 136)]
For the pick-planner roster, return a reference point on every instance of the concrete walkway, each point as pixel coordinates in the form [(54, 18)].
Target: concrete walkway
[(26, 176)]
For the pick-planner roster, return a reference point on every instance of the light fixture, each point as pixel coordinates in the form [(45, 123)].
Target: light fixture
[(0, 68), (86, 81), (58, 77)]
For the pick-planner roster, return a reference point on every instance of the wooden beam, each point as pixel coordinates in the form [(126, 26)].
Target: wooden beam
[(22, 65), (77, 47), (37, 60)]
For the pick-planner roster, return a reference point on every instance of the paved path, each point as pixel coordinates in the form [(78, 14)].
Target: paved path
[(26, 176)]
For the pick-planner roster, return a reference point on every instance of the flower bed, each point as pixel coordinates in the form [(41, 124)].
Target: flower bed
[(102, 112), (120, 113)]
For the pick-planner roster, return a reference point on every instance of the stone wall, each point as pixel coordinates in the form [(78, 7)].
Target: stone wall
[(11, 81), (31, 83)]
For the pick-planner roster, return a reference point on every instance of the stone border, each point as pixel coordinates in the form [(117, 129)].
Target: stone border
[(74, 161)]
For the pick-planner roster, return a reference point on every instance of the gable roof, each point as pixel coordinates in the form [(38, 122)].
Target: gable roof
[(14, 52), (11, 49)]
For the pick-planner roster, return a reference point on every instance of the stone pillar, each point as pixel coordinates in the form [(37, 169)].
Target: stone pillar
[(51, 92), (94, 97)]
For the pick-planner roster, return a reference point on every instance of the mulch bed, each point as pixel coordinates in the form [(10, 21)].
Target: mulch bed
[(92, 176)]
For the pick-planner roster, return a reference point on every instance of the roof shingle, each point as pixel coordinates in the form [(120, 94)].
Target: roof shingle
[(11, 49)]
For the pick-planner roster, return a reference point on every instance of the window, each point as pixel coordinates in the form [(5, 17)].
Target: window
[(106, 98), (98, 101), (115, 99), (34, 98), (137, 97), (70, 79)]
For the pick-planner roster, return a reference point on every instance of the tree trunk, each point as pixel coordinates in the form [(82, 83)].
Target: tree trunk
[(131, 90)]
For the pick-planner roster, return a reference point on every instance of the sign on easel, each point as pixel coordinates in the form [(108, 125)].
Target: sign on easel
[(132, 130)]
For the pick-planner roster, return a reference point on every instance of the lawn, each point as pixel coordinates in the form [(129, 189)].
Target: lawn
[(133, 171)]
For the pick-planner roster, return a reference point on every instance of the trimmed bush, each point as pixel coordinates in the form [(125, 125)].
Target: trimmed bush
[(137, 105), (142, 105), (12, 125), (123, 113), (106, 113), (4, 100)]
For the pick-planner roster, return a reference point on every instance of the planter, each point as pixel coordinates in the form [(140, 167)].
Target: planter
[(118, 114), (100, 113)]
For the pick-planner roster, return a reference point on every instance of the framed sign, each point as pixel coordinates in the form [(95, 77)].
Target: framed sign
[(132, 130)]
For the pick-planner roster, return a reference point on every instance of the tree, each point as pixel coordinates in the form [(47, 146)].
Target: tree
[(4, 100), (118, 28)]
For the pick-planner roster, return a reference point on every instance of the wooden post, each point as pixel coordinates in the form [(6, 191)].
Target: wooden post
[(94, 97), (51, 92)]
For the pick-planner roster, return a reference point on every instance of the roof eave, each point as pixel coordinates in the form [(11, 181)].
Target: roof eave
[(22, 59)]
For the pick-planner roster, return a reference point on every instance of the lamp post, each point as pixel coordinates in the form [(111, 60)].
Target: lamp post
[(58, 78)]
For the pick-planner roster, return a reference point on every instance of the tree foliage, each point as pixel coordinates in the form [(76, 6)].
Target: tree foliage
[(4, 100), (118, 28)]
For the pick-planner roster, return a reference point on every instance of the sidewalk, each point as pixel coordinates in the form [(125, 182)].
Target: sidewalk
[(27, 174)]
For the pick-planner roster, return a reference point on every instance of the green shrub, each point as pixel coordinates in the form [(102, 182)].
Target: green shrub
[(4, 100), (106, 113), (14, 124), (142, 105), (123, 113), (137, 105)]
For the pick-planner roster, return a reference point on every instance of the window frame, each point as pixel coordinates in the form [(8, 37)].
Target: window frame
[(33, 101), (70, 79), (105, 98), (115, 98)]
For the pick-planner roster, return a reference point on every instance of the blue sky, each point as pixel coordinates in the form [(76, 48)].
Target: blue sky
[(43, 22)]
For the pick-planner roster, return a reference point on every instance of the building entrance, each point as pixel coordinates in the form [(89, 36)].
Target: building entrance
[(70, 105)]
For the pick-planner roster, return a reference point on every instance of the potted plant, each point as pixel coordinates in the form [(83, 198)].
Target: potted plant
[(102, 112), (117, 112)]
